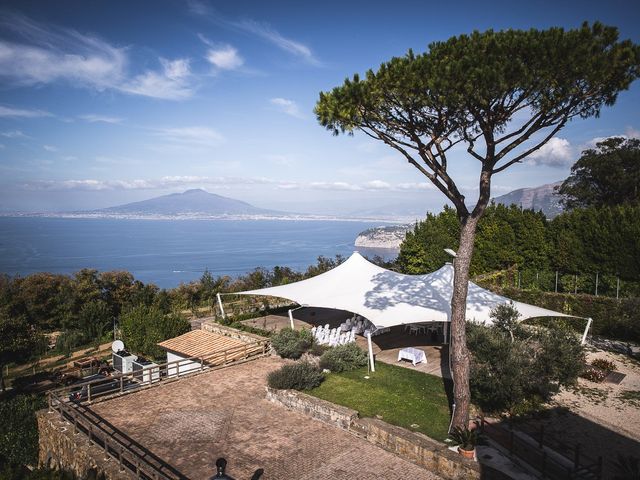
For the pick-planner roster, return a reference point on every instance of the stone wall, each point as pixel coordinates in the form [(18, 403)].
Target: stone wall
[(313, 407), (412, 446), (60, 449), (210, 326)]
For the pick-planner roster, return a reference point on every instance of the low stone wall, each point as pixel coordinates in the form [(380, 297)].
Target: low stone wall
[(322, 410), (210, 326), (417, 448), (412, 446), (60, 449)]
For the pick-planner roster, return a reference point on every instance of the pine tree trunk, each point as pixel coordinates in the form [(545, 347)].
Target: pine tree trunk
[(458, 345)]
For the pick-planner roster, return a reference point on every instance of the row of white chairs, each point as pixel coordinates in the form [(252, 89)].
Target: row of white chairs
[(332, 336)]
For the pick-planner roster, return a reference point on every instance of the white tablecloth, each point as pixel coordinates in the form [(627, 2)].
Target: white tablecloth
[(414, 354)]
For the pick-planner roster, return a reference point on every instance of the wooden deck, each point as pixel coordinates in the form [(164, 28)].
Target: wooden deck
[(385, 346)]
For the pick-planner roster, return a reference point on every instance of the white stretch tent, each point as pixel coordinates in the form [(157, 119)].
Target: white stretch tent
[(389, 298)]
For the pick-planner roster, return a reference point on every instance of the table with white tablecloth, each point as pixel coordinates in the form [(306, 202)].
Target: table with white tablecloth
[(414, 354)]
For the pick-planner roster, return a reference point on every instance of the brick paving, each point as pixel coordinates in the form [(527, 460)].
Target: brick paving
[(192, 422)]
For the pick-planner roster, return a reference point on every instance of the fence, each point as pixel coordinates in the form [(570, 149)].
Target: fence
[(152, 375), (596, 283), (542, 457), (68, 402)]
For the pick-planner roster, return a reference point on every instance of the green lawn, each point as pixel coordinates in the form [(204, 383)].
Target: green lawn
[(402, 397)]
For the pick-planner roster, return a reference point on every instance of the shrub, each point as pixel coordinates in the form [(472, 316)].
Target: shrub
[(18, 429), (594, 374), (516, 370), (343, 357), (296, 376), (604, 364), (289, 343)]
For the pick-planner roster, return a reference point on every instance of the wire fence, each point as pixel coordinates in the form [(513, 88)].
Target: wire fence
[(597, 284)]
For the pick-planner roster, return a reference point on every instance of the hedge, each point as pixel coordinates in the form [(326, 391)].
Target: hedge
[(616, 319)]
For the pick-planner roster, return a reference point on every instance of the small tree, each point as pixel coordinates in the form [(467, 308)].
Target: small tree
[(471, 90), (505, 318), (143, 327)]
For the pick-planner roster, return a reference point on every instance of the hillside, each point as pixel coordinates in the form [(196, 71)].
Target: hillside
[(536, 198)]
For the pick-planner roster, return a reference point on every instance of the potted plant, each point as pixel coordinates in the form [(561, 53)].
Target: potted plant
[(466, 440)]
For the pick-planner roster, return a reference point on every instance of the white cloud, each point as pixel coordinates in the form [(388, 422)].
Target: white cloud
[(631, 132), (287, 106), (225, 57), (43, 54), (415, 186), (93, 118), (377, 185), (266, 32), (50, 148), (22, 113), (334, 186), (14, 134), (194, 136), (261, 30), (172, 83), (557, 152), (180, 181)]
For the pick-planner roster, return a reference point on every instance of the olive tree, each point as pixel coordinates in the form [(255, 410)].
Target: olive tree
[(502, 95)]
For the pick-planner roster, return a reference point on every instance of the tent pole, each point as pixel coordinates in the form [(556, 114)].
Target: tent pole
[(373, 367), (446, 331), (291, 320), (220, 304), (586, 330)]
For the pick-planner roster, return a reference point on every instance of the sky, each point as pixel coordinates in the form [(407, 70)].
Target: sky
[(108, 102)]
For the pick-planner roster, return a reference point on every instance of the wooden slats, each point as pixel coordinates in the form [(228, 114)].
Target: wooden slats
[(200, 343)]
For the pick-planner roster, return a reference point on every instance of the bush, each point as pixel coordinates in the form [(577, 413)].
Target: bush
[(19, 430), (604, 364), (515, 370), (594, 374), (343, 357), (289, 343), (296, 376)]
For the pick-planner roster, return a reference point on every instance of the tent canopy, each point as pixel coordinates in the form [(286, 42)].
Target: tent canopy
[(388, 298)]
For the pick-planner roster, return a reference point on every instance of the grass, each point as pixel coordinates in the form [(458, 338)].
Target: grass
[(400, 396)]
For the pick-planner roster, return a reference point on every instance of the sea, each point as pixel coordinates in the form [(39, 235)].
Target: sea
[(170, 252)]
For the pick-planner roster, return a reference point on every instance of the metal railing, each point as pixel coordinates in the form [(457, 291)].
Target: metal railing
[(154, 374), (130, 455), (542, 457)]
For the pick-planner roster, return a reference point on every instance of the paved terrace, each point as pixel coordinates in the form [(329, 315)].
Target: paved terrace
[(385, 346), (191, 422)]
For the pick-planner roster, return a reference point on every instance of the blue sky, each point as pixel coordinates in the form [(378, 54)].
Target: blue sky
[(106, 102)]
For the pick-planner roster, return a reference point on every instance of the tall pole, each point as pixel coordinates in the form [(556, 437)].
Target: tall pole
[(291, 320), (556, 281), (617, 288), (371, 362), (220, 304), (596, 284)]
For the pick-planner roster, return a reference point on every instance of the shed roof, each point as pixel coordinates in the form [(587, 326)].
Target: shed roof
[(199, 343)]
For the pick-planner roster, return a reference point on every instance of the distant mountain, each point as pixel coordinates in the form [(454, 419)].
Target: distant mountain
[(536, 198), (195, 202)]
